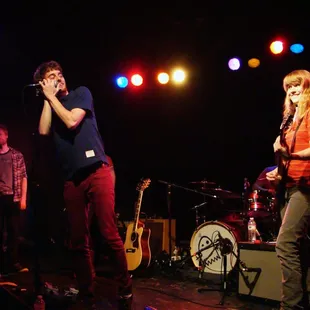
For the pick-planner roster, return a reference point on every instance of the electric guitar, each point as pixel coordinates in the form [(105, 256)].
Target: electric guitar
[(280, 184), (287, 120), (137, 242)]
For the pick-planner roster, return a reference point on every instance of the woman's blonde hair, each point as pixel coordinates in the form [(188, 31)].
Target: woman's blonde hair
[(297, 77)]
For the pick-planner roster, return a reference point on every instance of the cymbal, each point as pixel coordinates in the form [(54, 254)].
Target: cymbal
[(203, 182), (224, 194)]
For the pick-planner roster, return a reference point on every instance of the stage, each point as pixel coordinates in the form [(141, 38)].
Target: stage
[(164, 285)]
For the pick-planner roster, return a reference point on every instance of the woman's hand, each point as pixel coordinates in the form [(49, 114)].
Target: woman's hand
[(278, 148)]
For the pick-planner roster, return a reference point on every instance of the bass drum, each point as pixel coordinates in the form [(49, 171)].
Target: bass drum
[(208, 235)]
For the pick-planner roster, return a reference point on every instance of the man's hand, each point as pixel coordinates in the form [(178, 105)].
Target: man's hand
[(23, 204), (49, 89)]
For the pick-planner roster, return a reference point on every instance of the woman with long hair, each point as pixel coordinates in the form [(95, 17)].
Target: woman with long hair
[(294, 150)]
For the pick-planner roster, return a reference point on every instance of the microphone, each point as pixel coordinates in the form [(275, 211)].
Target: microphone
[(38, 85), (225, 243)]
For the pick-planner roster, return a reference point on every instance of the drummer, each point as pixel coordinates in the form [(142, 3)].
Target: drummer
[(262, 184)]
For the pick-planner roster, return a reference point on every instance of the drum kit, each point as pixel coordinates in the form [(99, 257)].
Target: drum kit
[(224, 219), (221, 223)]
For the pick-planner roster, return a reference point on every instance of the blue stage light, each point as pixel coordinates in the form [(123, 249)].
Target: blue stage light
[(122, 82), (297, 48)]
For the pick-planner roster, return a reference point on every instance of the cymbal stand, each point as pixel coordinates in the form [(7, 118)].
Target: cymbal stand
[(197, 217), (245, 194), (169, 188)]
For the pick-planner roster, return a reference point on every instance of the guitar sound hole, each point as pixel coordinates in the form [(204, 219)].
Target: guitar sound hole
[(133, 236)]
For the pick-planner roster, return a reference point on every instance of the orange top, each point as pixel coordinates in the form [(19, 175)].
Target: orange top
[(298, 172)]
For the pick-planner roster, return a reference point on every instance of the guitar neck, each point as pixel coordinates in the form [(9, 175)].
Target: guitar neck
[(279, 160), (138, 208), (280, 165)]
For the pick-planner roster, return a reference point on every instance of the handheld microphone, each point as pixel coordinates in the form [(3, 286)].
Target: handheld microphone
[(38, 85)]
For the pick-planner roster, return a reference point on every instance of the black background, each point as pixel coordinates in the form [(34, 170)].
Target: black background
[(220, 125)]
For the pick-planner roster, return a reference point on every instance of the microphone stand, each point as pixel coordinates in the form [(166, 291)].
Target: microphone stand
[(226, 247), (35, 197), (198, 255), (169, 217), (38, 283)]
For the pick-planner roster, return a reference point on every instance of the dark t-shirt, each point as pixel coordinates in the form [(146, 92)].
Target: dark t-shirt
[(83, 146), (6, 173)]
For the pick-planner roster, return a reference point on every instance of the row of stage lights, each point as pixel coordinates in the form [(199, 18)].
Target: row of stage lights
[(177, 77), (276, 48)]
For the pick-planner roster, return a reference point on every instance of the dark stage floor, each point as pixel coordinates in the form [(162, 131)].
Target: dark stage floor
[(161, 286)]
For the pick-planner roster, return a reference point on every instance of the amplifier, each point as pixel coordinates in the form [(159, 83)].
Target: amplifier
[(264, 271), (159, 239)]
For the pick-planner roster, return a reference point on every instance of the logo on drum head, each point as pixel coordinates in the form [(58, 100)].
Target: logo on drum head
[(210, 243)]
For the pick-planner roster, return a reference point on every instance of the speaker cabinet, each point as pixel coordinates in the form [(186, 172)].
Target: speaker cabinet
[(159, 239), (260, 256)]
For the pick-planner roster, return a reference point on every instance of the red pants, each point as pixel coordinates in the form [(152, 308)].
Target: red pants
[(95, 189)]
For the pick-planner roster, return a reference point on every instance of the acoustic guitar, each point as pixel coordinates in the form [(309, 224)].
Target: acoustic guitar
[(137, 242)]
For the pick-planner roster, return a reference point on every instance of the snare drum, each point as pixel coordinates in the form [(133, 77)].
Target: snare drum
[(206, 238)]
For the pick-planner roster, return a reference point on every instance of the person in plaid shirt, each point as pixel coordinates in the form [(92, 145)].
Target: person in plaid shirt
[(13, 194)]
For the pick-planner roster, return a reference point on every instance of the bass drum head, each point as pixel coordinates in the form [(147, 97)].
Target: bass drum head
[(207, 235)]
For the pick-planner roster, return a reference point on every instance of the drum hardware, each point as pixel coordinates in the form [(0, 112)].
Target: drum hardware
[(223, 194), (197, 217), (203, 185), (261, 206), (169, 189)]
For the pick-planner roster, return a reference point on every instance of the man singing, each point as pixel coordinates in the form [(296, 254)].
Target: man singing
[(70, 117)]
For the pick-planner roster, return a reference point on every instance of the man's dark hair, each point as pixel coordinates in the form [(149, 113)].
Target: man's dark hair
[(44, 68), (4, 128)]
